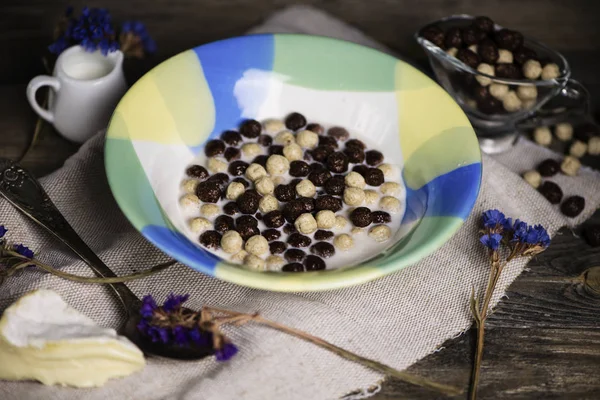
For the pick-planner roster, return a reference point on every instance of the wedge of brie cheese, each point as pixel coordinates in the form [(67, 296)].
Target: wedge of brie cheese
[(42, 338)]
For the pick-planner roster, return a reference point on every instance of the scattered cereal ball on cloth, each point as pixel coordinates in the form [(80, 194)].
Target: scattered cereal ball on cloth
[(264, 185), (255, 171), (340, 222), (578, 149), (189, 201), (306, 223), (189, 185), (498, 90), (390, 204), (371, 197), (239, 256), (284, 138), (533, 178), (570, 166), (216, 165), (527, 92), (542, 136), (251, 149), (355, 180), (452, 51), (199, 225), (273, 126), (343, 242), (532, 69), (277, 165), (292, 152), (391, 188), (387, 170), (511, 102), (231, 242), (504, 56), (564, 131), (354, 196), (307, 139), (550, 71), (257, 245), (274, 263), (326, 219), (253, 262), (572, 206), (268, 203), (209, 210), (484, 69), (594, 146), (380, 233), (306, 188), (234, 190)]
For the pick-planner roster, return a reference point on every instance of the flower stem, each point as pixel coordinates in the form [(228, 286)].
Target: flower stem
[(372, 364), (478, 358)]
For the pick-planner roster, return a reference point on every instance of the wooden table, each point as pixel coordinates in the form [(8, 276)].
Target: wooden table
[(543, 341)]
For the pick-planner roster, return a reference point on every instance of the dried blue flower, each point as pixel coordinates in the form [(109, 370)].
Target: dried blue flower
[(148, 307), (135, 39), (174, 302), (491, 241), (537, 235), (23, 250), (200, 338), (3, 231), (226, 352), (493, 219)]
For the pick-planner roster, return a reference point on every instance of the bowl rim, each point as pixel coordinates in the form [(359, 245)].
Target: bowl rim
[(313, 280)]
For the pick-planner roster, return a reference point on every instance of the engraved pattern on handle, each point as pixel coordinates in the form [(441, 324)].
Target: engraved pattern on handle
[(23, 191)]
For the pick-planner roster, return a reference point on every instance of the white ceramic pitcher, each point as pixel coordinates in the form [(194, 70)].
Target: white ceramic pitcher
[(86, 87)]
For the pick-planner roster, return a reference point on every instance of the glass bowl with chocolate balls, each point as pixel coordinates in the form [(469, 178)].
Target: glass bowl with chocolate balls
[(499, 77)]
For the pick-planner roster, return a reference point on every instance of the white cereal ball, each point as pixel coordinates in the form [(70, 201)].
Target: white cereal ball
[(473, 48), (550, 71), (343, 242), (387, 170), (255, 171), (257, 245), (278, 180), (189, 185), (532, 69), (570, 166), (390, 188), (511, 102), (564, 131), (239, 256), (231, 242), (380, 233), (533, 178), (216, 165), (484, 69), (527, 92), (355, 180), (234, 190), (209, 210), (371, 197), (307, 139), (452, 51), (357, 231), (498, 90), (354, 196), (542, 136), (594, 146), (251, 149), (199, 225), (326, 219), (306, 223), (264, 185), (578, 149), (255, 263), (277, 165), (306, 188), (292, 152), (528, 104), (471, 103), (504, 56), (268, 203), (275, 263), (273, 126), (390, 204), (189, 201), (340, 222), (284, 138)]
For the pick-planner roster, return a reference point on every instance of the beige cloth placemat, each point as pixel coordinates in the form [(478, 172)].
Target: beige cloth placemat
[(396, 320)]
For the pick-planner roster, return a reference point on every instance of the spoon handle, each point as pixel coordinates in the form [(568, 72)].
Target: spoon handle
[(23, 191)]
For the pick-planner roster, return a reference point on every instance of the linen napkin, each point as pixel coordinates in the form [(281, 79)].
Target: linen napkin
[(397, 319)]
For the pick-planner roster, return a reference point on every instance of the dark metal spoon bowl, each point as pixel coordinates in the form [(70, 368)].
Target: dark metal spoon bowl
[(23, 191)]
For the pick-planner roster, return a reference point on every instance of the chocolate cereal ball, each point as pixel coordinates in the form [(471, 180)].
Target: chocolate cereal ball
[(338, 133), (232, 154), (277, 247), (488, 51), (271, 234), (572, 206), (247, 231), (285, 193), (316, 128), (197, 171), (484, 24), (208, 192), (337, 162), (261, 160), (361, 169), (381, 217), (354, 154), (374, 177), (293, 267), (294, 255), (314, 263), (335, 185), (220, 179), (231, 208), (237, 168), (299, 168), (374, 157), (265, 140), (232, 138), (328, 202), (468, 58), (434, 34), (472, 35), (322, 234), (548, 167), (248, 202), (323, 249), (356, 143), (551, 191), (224, 223), (328, 141), (295, 121), (523, 54), (510, 71), (361, 217), (250, 128), (321, 152), (298, 240), (214, 148), (319, 176), (274, 219), (453, 38), (507, 39), (211, 239), (244, 220)]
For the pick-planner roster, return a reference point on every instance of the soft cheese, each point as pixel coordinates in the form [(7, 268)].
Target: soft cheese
[(43, 338)]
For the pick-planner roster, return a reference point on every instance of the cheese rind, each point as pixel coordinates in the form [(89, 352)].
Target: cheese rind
[(42, 338)]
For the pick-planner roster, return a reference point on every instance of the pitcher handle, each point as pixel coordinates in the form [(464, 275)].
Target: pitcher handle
[(35, 84)]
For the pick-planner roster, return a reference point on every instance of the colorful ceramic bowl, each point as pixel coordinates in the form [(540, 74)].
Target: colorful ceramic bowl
[(166, 117)]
